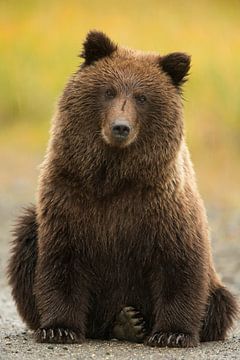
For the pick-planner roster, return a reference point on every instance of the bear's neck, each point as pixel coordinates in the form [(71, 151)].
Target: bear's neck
[(109, 171)]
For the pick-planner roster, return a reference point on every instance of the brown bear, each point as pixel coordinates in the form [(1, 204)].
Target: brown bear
[(118, 243)]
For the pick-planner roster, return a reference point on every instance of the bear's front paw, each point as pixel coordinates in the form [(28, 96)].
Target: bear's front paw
[(168, 339), (58, 335)]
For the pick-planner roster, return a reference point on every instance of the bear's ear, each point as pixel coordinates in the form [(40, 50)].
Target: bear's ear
[(96, 46), (176, 65)]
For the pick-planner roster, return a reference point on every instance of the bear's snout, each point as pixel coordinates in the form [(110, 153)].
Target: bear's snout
[(120, 125), (120, 129)]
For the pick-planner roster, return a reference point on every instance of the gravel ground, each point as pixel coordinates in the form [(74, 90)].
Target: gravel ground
[(17, 343)]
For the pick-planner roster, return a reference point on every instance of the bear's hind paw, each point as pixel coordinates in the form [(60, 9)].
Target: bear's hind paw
[(129, 325)]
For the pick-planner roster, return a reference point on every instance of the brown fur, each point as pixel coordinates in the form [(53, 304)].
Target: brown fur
[(119, 222)]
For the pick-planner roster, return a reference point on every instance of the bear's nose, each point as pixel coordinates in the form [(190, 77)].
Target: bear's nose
[(120, 129)]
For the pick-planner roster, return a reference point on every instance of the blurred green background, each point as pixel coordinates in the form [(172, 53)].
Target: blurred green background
[(39, 43)]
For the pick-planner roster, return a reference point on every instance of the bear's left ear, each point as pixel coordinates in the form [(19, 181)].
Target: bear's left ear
[(97, 46), (176, 65)]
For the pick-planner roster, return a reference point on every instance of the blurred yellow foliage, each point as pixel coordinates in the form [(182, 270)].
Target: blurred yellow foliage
[(39, 43)]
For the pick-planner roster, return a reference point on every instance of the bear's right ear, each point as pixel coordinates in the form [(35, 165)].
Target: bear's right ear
[(96, 46)]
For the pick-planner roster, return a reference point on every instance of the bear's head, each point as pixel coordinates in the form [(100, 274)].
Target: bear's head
[(123, 101)]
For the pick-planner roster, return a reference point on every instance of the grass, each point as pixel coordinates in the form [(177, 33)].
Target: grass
[(39, 43)]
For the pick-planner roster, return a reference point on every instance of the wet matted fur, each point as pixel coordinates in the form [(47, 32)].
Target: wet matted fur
[(119, 225)]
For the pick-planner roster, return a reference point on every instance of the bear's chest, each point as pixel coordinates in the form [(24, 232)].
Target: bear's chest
[(121, 227)]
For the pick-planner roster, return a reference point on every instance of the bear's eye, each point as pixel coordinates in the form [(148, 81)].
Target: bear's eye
[(110, 94), (141, 99)]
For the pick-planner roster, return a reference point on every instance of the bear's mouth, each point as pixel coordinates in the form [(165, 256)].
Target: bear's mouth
[(117, 140)]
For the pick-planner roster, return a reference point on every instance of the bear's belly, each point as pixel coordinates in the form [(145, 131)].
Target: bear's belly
[(114, 290), (118, 243)]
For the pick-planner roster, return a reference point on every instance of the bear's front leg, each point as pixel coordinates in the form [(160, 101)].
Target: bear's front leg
[(179, 296), (61, 289)]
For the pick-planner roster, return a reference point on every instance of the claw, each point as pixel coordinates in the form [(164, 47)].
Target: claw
[(160, 338), (169, 339), (137, 313), (128, 308), (178, 339), (60, 332), (131, 314), (52, 334), (134, 314), (137, 321), (66, 332), (44, 334), (71, 335), (153, 338)]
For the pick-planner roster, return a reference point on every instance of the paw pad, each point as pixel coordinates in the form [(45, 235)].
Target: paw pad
[(129, 325)]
